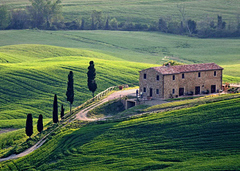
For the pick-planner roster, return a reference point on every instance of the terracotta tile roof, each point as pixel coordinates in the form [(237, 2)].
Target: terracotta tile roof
[(166, 70)]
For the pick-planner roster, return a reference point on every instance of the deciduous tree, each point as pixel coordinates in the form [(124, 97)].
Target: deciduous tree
[(162, 25), (4, 17), (20, 19), (114, 24), (192, 26), (97, 19), (107, 25), (43, 12)]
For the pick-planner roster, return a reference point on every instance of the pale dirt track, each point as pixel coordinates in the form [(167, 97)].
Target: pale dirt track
[(7, 130), (82, 115)]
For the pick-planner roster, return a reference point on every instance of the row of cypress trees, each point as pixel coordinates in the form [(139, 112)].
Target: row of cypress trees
[(29, 124), (92, 86)]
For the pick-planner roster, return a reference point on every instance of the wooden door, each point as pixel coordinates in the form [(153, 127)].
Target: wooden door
[(181, 91), (213, 88), (151, 91), (197, 90)]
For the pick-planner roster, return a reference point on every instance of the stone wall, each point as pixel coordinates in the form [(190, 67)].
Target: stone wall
[(190, 81), (166, 84), (151, 82)]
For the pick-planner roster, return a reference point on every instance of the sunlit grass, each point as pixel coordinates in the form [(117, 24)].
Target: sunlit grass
[(10, 139), (29, 86), (205, 137), (144, 11)]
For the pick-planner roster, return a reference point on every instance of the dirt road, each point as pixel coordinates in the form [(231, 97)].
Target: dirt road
[(82, 115), (7, 130)]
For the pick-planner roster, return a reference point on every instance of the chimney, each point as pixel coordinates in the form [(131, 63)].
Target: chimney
[(169, 64)]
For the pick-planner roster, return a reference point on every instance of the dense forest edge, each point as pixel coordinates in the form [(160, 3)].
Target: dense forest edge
[(48, 15)]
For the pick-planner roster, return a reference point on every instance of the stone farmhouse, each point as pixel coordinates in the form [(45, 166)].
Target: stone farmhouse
[(174, 81)]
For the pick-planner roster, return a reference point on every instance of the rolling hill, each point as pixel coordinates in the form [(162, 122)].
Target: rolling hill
[(34, 65), (204, 137), (147, 47), (36, 72), (32, 74), (144, 11)]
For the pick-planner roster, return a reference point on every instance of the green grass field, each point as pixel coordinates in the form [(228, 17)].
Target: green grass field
[(11, 140), (144, 11), (205, 137), (29, 86), (31, 74), (147, 47), (34, 65)]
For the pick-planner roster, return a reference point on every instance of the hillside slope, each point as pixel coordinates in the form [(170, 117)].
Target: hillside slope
[(144, 11), (147, 47), (205, 137), (35, 73)]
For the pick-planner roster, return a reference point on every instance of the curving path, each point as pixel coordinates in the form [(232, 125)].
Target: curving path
[(82, 115)]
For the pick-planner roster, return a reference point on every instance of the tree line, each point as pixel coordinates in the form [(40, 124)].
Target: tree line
[(47, 15), (92, 86)]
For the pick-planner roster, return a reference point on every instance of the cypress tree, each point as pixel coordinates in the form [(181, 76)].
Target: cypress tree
[(107, 24), (55, 109), (82, 24), (92, 85), (70, 90), (29, 125), (40, 123), (62, 111)]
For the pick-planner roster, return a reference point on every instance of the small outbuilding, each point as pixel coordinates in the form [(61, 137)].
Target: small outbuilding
[(174, 81)]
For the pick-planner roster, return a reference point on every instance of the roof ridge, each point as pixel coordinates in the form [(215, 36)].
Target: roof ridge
[(165, 70)]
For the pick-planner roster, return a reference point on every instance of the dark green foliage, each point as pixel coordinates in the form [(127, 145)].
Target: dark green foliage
[(29, 125), (92, 85), (20, 20), (97, 20), (107, 24), (4, 17), (162, 25), (70, 90), (55, 109), (82, 24), (40, 123), (192, 25), (220, 23), (172, 63), (62, 111), (44, 12)]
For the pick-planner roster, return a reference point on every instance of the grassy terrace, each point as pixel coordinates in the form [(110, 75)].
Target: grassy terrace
[(147, 47), (31, 85), (205, 137), (34, 66), (34, 73), (14, 139), (144, 11)]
